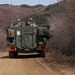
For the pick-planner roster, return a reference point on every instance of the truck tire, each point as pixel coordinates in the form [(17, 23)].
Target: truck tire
[(13, 54), (16, 52), (42, 53)]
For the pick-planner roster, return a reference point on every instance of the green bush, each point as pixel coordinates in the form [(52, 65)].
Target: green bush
[(55, 8), (39, 5), (25, 5)]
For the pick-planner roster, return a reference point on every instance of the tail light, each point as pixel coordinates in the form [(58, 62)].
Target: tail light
[(11, 48), (41, 47)]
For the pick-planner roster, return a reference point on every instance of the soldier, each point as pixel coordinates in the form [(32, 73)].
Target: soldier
[(31, 23), (18, 23)]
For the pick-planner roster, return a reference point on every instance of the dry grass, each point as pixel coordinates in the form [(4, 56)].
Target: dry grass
[(64, 29)]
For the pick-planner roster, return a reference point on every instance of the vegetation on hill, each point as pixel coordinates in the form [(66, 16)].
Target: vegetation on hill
[(55, 8), (64, 28), (4, 4), (41, 17), (28, 6), (25, 5)]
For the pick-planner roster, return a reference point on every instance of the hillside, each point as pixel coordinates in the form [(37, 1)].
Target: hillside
[(10, 13), (58, 16), (62, 21)]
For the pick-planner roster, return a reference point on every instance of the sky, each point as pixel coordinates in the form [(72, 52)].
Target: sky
[(28, 2)]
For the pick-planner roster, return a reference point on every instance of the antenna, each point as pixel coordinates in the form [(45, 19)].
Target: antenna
[(38, 1), (11, 2), (11, 9)]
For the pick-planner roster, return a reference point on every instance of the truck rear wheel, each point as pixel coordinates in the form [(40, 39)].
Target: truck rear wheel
[(42, 53), (13, 54)]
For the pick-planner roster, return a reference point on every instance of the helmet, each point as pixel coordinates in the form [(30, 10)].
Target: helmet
[(30, 19), (18, 19)]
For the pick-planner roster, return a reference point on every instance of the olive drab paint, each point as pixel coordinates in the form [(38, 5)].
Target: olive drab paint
[(28, 38)]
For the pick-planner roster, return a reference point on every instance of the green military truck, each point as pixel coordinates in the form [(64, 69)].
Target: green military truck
[(27, 39)]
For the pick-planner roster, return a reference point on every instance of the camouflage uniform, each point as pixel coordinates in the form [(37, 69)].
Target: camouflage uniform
[(18, 23), (31, 23)]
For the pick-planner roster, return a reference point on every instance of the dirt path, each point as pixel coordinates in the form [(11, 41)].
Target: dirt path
[(28, 65)]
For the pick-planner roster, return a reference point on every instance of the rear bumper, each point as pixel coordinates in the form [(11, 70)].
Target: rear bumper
[(27, 50)]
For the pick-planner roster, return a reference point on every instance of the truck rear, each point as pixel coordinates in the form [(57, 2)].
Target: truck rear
[(27, 40)]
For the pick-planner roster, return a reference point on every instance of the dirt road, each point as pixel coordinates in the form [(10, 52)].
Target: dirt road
[(28, 65)]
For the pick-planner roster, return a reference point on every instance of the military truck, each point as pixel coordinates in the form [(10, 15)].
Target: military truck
[(27, 39)]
